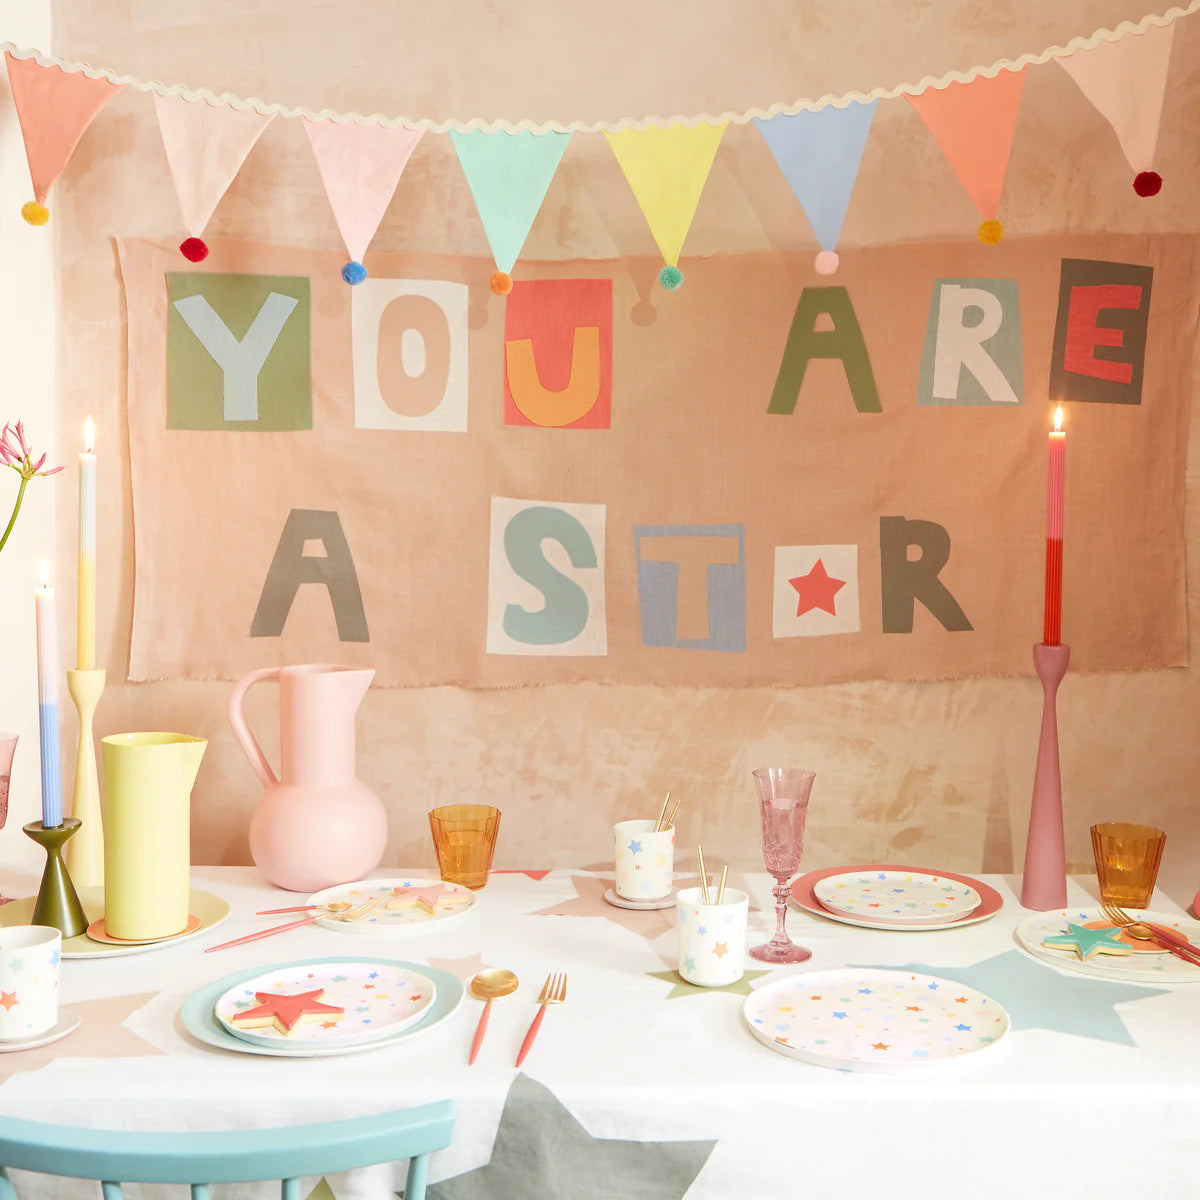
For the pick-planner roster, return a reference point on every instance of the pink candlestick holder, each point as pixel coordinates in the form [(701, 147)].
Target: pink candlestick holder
[(1044, 880)]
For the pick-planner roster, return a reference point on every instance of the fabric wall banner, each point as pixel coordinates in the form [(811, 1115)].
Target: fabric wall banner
[(773, 483)]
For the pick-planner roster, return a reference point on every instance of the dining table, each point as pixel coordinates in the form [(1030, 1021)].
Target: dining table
[(639, 1084)]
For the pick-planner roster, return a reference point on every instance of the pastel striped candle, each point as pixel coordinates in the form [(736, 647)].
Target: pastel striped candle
[(86, 642), (47, 658), (1052, 624)]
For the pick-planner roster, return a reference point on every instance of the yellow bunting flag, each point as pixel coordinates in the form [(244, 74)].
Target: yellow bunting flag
[(667, 169)]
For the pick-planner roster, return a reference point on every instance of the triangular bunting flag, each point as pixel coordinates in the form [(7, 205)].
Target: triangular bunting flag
[(819, 153), (508, 174), (667, 169), (360, 166), (54, 107), (974, 125), (1125, 80), (206, 145)]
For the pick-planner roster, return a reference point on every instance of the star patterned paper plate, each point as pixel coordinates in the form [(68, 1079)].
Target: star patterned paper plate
[(1159, 966), (377, 1001), (407, 903), (803, 900), (198, 1016), (897, 897), (865, 1019)]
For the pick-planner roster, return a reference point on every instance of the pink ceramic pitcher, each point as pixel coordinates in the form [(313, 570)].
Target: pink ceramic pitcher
[(317, 826)]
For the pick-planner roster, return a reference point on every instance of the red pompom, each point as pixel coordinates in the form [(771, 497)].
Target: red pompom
[(193, 249), (1147, 183)]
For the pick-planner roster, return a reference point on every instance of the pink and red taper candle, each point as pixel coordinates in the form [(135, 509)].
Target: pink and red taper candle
[(1052, 626)]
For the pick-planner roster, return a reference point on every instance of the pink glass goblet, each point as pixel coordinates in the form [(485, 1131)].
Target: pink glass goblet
[(8, 747), (783, 798)]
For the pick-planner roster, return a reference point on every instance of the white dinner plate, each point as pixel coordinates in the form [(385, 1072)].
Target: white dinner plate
[(377, 1000), (869, 1019), (897, 897), (400, 905)]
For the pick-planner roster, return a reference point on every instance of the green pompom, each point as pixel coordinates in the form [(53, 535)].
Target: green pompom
[(669, 278)]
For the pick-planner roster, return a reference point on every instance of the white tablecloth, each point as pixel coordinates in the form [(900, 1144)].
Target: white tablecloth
[(1036, 1115)]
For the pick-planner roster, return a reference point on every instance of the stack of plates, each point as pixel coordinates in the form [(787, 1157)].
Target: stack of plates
[(882, 896), (382, 1001)]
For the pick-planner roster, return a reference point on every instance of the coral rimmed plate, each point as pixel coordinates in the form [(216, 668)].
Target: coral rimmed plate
[(897, 897), (98, 932), (377, 1000), (198, 1015), (990, 900), (1161, 967), (865, 1019), (401, 904)]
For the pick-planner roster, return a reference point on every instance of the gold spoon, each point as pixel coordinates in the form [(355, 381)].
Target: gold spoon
[(489, 985)]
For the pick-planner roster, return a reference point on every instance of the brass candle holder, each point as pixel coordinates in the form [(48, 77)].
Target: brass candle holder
[(57, 902)]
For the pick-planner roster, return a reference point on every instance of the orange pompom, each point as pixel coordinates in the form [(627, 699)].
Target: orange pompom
[(990, 231), (35, 213), (500, 283)]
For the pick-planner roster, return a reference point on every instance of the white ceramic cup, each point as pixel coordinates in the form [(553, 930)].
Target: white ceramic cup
[(712, 937), (29, 958), (645, 860)]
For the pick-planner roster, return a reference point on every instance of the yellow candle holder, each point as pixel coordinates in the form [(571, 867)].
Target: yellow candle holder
[(85, 851)]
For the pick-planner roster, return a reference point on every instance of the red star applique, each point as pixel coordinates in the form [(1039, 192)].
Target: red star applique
[(285, 1012), (817, 590), (7, 1000)]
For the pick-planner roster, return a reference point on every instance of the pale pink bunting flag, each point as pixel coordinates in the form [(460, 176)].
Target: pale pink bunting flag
[(206, 145), (1126, 81), (974, 123), (360, 166), (54, 107)]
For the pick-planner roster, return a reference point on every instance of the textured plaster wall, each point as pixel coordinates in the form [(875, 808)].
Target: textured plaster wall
[(933, 773)]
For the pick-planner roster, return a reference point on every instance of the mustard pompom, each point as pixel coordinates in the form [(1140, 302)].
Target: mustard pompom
[(35, 213), (500, 283), (990, 231)]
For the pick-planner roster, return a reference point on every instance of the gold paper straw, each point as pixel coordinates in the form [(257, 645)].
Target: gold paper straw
[(703, 875), (658, 825), (721, 885), (674, 810)]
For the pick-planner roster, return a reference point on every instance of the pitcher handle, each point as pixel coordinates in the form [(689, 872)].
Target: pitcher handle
[(237, 719)]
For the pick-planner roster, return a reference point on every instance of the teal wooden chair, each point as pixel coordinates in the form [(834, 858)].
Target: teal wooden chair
[(241, 1156)]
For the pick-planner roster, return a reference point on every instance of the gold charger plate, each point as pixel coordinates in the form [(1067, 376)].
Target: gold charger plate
[(210, 909)]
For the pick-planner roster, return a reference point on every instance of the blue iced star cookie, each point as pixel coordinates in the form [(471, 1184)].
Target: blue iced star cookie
[(1087, 943)]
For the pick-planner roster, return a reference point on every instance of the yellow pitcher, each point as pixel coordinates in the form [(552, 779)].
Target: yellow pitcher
[(146, 806)]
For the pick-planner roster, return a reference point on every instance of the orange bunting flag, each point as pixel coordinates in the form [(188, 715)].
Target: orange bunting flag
[(974, 123), (54, 108)]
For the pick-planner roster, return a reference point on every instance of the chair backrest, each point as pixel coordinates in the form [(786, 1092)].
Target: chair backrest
[(286, 1153)]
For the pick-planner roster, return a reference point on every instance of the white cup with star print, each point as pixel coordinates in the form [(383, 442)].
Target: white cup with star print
[(645, 860), (29, 958), (712, 937)]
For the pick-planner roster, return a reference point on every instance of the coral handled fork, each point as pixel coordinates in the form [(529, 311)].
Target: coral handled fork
[(353, 915), (554, 991)]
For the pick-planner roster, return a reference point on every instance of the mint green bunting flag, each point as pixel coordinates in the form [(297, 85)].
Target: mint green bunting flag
[(508, 174)]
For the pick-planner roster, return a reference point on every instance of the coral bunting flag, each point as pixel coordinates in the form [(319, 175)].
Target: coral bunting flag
[(206, 145), (508, 174), (54, 107), (974, 124), (360, 166), (819, 154), (667, 169), (1125, 80)]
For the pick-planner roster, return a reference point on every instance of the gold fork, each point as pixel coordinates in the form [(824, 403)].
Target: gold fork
[(353, 915), (554, 991), (1145, 932)]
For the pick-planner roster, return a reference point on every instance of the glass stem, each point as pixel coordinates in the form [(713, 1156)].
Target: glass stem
[(781, 895)]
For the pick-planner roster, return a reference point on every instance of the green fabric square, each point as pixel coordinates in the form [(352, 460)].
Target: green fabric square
[(238, 352)]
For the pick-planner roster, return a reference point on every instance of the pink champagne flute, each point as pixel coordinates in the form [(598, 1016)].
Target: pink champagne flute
[(783, 798)]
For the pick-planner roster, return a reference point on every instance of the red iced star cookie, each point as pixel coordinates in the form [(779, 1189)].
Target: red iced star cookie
[(287, 1013)]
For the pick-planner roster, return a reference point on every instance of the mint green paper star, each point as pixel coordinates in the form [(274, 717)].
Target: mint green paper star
[(740, 987), (1088, 942)]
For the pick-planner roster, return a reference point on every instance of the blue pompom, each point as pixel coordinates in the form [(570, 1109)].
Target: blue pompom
[(669, 278), (354, 272)]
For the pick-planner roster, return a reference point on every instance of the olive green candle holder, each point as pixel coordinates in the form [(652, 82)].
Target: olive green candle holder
[(57, 903)]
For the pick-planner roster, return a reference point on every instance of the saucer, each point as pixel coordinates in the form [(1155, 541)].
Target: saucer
[(98, 933), (68, 1022), (620, 901)]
